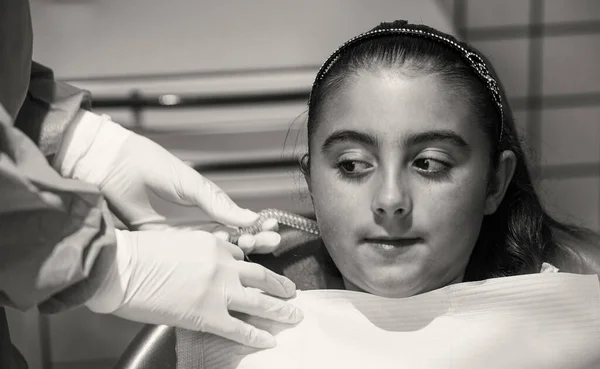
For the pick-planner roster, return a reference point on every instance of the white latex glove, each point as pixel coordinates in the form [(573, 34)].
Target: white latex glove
[(191, 280), (126, 166)]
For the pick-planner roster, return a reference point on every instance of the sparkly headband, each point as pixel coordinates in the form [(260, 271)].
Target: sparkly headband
[(473, 59)]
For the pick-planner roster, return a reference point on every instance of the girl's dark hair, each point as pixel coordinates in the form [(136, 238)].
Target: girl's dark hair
[(520, 235)]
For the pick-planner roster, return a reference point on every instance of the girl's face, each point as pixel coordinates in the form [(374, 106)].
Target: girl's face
[(399, 181)]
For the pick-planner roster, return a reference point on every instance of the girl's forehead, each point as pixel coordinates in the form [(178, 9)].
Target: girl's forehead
[(391, 104)]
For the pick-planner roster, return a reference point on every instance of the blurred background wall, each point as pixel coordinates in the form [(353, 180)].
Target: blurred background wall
[(223, 85), (547, 53)]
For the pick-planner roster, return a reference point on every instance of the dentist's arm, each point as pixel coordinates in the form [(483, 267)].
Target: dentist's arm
[(60, 249), (126, 167)]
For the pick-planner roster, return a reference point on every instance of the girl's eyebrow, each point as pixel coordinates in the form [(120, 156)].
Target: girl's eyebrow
[(448, 136), (413, 139), (343, 136)]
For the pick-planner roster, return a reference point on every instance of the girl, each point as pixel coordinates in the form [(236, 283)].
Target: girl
[(416, 173)]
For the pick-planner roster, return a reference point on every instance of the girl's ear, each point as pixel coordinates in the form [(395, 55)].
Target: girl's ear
[(305, 169), (500, 181)]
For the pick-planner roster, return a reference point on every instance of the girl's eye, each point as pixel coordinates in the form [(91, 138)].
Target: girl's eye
[(431, 166), (353, 167)]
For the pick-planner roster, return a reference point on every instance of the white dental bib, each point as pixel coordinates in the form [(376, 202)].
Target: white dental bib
[(545, 321)]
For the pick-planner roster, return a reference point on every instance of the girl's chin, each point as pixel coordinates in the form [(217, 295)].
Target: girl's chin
[(386, 286), (400, 282)]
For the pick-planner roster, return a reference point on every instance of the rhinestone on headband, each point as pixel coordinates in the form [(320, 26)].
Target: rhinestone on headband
[(474, 60)]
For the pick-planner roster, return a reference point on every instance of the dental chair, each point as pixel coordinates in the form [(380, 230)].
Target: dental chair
[(308, 266)]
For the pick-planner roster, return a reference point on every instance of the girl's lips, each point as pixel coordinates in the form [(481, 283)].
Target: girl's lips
[(393, 241)]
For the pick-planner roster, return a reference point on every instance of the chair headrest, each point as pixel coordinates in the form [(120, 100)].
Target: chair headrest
[(302, 258)]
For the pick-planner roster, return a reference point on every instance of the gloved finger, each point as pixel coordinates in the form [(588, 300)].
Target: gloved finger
[(265, 242), (235, 251), (260, 243), (257, 276), (193, 188), (241, 332), (222, 235), (254, 303), (270, 224), (247, 242)]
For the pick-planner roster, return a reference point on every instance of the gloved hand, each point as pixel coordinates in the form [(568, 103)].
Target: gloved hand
[(126, 167), (190, 280)]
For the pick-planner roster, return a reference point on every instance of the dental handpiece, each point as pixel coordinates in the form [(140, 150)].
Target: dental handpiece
[(283, 217)]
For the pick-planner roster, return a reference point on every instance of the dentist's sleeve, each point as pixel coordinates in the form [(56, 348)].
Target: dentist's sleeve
[(49, 109), (57, 236)]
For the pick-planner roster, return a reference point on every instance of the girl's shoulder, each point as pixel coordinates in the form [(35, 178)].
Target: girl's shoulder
[(548, 268), (578, 254)]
